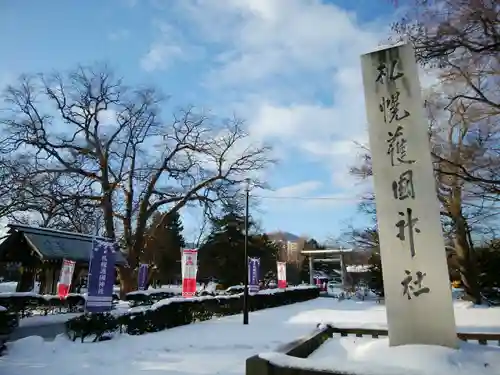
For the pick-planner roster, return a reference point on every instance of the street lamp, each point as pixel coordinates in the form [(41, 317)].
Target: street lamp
[(245, 291)]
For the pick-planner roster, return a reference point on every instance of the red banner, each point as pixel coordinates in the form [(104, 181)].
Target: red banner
[(189, 270), (65, 277), (281, 274)]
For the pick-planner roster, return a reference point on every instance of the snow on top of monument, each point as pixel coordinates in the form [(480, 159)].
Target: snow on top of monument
[(369, 356), (381, 47)]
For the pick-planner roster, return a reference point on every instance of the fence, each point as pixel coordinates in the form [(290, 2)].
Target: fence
[(304, 346)]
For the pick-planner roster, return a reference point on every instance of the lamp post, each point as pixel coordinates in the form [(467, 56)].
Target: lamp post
[(245, 291)]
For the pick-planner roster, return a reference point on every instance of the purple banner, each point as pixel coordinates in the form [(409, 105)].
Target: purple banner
[(253, 275), (142, 277), (101, 277)]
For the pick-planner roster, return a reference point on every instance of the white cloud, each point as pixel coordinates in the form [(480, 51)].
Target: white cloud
[(119, 35), (278, 37), (273, 56), (298, 190), (159, 56), (302, 196), (6, 78), (272, 47), (169, 47), (107, 117), (285, 198)]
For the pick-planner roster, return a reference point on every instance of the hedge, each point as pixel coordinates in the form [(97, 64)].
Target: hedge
[(149, 297), (8, 321), (174, 312), (23, 303)]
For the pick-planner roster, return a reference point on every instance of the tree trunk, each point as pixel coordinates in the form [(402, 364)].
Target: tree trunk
[(107, 208), (466, 261), (128, 281)]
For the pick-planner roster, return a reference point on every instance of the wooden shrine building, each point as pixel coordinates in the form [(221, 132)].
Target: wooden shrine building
[(39, 252)]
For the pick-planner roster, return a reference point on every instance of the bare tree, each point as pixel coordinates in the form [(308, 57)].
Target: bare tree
[(458, 198), (48, 200), (462, 38), (203, 231), (12, 178), (107, 145), (451, 150)]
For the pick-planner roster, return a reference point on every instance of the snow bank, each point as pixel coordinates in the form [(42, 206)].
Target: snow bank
[(168, 301), (46, 297), (369, 314), (358, 268), (11, 286), (8, 286), (163, 289), (174, 289), (369, 356)]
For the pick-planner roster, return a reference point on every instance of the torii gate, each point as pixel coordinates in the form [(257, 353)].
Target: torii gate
[(339, 252)]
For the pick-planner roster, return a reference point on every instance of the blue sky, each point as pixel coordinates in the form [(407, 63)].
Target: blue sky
[(290, 68)]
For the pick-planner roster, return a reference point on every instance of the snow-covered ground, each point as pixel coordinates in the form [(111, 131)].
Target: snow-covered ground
[(369, 356), (220, 346)]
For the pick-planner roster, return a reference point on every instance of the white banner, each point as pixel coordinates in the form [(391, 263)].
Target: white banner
[(281, 274), (189, 271), (64, 284)]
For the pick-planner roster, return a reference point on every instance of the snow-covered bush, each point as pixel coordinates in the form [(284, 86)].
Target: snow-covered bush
[(24, 303), (174, 312), (235, 289), (8, 321), (149, 297)]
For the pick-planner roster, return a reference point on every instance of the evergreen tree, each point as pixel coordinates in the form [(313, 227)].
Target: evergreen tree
[(310, 244), (375, 282), (488, 264), (222, 254), (163, 248)]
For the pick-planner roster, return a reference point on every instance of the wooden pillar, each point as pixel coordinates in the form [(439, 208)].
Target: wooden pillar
[(27, 280), (29, 268), (43, 280), (77, 275), (311, 270), (49, 276), (55, 272), (46, 279)]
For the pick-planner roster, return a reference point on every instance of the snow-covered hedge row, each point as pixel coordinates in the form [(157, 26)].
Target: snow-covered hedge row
[(150, 296), (174, 312), (8, 321), (23, 302)]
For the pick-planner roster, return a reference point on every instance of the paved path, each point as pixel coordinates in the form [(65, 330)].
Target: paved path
[(47, 331), (47, 327)]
